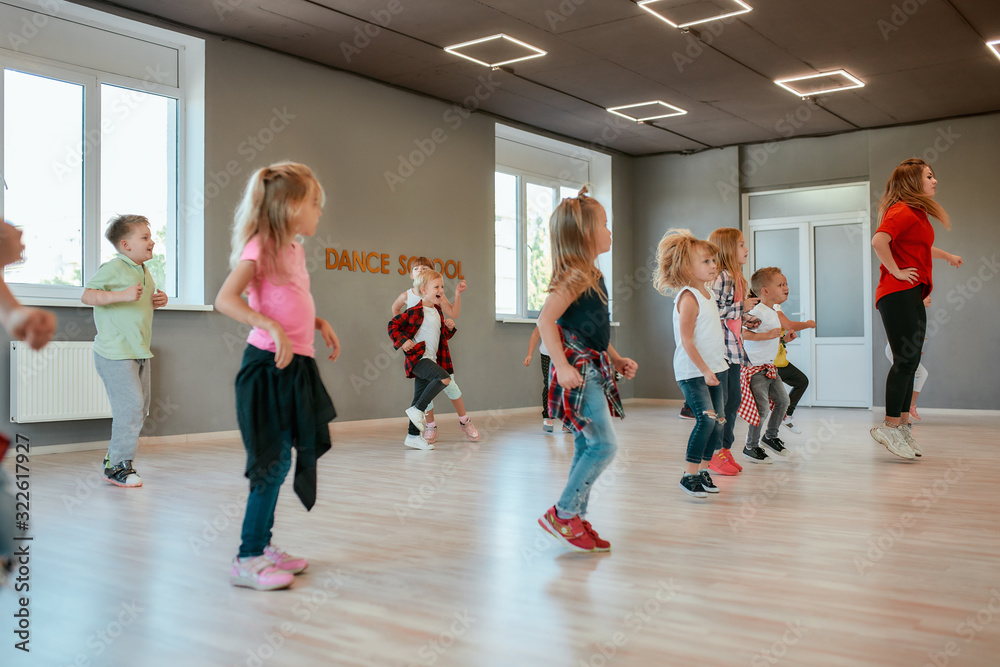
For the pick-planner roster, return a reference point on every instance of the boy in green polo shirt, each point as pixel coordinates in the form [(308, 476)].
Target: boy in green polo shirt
[(124, 296)]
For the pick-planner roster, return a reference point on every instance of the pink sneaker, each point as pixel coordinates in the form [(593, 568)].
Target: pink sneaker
[(431, 434), (259, 573), (470, 430), (285, 562)]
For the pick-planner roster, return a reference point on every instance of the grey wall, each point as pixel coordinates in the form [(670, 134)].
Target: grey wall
[(350, 131), (675, 191), (699, 190)]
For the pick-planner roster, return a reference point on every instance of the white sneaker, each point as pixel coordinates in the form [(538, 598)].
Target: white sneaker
[(906, 430), (417, 418), (790, 423), (893, 440), (417, 442)]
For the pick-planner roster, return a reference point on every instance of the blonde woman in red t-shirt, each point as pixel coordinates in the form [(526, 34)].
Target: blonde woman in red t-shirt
[(904, 243)]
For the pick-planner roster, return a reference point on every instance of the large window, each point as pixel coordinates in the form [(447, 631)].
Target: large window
[(86, 137), (524, 204), (533, 174)]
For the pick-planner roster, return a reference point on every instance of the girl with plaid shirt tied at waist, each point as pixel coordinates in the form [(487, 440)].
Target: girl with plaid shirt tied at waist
[(734, 301), (423, 333), (576, 329)]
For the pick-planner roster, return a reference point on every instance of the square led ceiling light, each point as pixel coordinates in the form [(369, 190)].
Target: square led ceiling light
[(994, 47), (818, 84), (684, 13), (644, 111), (495, 50)]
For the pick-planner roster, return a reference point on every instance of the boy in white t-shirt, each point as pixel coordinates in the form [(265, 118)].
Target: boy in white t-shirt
[(760, 384)]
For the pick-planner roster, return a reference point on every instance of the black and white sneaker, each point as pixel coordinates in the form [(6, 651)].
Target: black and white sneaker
[(686, 412), (692, 486), (756, 455), (775, 445), (123, 475), (707, 483)]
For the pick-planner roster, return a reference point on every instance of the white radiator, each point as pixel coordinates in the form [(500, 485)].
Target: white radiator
[(57, 383)]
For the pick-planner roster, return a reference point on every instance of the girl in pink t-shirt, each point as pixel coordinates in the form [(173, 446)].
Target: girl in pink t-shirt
[(280, 400)]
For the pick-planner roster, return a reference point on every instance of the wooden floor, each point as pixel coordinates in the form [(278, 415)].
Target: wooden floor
[(842, 555)]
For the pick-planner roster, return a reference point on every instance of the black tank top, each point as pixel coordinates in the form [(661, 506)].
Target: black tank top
[(588, 317)]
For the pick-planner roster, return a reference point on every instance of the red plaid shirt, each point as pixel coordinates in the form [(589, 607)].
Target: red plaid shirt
[(566, 405), (404, 327), (748, 406)]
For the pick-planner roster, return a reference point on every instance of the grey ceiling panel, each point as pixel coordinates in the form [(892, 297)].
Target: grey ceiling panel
[(920, 60)]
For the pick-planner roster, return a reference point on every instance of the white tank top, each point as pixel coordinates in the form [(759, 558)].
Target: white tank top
[(708, 339), (412, 299)]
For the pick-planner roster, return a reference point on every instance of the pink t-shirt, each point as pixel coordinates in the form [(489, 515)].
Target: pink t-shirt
[(290, 303)]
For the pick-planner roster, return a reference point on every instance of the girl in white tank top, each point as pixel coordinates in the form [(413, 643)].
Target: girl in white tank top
[(685, 265)]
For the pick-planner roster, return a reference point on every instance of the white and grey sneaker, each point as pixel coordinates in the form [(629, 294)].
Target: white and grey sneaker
[(890, 438), (417, 442), (906, 430), (417, 418), (789, 422)]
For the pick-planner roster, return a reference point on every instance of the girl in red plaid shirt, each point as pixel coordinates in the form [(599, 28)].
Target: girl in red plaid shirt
[(582, 390)]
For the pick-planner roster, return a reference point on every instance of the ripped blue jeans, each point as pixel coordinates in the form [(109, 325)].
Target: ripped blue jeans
[(706, 436)]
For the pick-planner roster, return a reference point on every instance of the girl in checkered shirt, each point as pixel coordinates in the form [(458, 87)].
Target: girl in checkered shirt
[(582, 390), (732, 297)]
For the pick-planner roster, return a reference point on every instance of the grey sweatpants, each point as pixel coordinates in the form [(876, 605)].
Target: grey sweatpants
[(127, 383)]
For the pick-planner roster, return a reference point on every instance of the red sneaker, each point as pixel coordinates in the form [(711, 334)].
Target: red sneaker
[(569, 532), (599, 544), (721, 464), (732, 459)]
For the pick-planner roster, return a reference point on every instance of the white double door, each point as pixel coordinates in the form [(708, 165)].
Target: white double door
[(827, 261)]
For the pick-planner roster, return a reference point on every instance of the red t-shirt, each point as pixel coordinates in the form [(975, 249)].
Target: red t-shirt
[(912, 238)]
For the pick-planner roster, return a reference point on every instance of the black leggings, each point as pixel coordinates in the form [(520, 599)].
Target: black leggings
[(427, 384), (905, 320), (795, 379), (546, 360)]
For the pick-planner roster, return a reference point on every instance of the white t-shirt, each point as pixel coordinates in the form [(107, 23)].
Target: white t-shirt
[(708, 338), (429, 333), (541, 345), (763, 351)]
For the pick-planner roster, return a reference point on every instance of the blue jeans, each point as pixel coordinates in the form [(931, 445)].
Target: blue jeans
[(259, 517), (706, 436), (731, 396), (595, 447)]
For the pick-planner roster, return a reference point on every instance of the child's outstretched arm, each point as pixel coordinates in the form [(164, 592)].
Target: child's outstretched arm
[(399, 304), (229, 302), (32, 325), (687, 308), (453, 309), (789, 325), (555, 305), (329, 337), (536, 335)]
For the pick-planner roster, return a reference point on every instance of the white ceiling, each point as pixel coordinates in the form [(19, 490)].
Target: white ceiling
[(921, 60)]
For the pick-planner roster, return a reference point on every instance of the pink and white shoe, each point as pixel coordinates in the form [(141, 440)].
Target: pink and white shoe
[(470, 430), (431, 434), (259, 573), (285, 562)]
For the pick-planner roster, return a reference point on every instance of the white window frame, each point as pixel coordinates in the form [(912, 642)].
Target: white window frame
[(189, 244), (599, 175), (523, 178)]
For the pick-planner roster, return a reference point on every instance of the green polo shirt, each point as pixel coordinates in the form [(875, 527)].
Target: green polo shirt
[(123, 329)]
